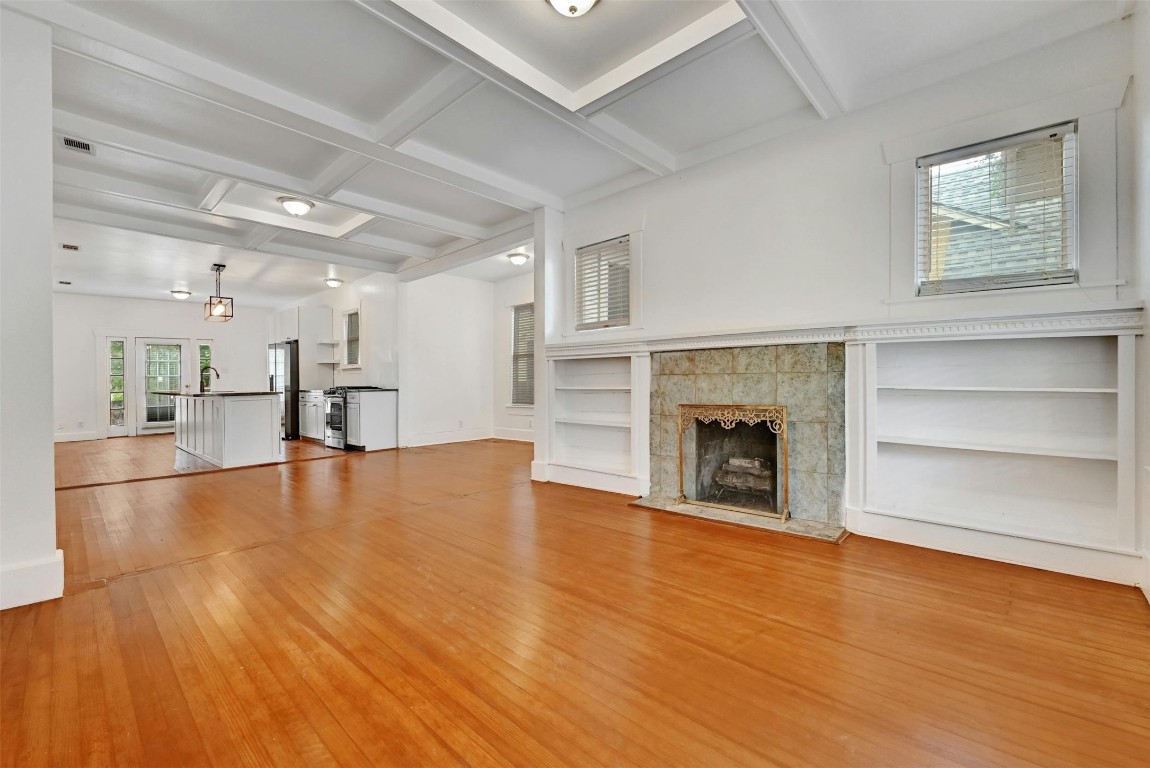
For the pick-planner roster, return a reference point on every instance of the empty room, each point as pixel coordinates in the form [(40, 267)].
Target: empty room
[(574, 383)]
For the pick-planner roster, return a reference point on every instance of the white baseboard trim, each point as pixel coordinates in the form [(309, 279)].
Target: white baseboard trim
[(69, 437), (439, 438), (523, 435), (600, 481), (32, 581), (1118, 567), (1144, 577), (539, 471)]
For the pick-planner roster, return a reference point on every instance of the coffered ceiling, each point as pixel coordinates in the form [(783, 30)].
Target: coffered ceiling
[(427, 132)]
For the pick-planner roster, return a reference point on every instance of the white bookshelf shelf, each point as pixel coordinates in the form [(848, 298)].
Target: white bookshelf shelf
[(1020, 390), (594, 422), (592, 388), (966, 445)]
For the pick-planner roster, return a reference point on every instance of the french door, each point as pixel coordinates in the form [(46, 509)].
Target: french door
[(160, 367)]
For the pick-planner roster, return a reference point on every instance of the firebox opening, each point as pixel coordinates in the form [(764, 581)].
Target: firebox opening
[(737, 467)]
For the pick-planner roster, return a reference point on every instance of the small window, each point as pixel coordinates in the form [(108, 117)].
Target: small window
[(999, 214), (523, 354), (603, 284), (351, 338)]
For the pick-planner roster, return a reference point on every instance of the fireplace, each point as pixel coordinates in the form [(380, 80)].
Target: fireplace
[(736, 458)]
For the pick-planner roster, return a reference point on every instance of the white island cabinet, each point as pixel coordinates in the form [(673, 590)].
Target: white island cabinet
[(229, 429)]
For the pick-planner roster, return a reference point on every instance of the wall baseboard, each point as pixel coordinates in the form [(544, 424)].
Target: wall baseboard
[(588, 478), (70, 437), (1118, 567), (32, 581), (1144, 577), (523, 435)]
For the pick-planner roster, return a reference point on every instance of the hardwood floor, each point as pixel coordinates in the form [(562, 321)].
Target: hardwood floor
[(432, 606), (128, 459)]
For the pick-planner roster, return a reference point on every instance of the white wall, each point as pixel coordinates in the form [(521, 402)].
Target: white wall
[(1141, 108), (31, 568), (375, 297), (82, 323), (446, 352), (511, 422), (798, 231)]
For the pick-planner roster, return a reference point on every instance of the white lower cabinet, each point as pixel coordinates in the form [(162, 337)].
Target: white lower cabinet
[(311, 417)]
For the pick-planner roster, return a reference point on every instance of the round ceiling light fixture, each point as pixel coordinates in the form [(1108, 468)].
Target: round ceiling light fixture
[(181, 295), (333, 282), (572, 8), (296, 206), (518, 259)]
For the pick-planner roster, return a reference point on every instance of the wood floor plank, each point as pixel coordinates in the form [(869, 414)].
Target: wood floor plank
[(433, 606)]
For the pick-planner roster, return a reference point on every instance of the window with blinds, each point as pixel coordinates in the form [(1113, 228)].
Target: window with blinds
[(603, 284), (523, 354), (351, 339), (999, 214)]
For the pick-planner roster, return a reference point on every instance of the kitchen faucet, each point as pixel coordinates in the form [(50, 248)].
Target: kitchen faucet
[(208, 387)]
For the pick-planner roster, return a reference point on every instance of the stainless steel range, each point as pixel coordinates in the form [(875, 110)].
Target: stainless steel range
[(355, 421)]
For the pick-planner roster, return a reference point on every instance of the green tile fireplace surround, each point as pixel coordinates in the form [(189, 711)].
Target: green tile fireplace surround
[(809, 379)]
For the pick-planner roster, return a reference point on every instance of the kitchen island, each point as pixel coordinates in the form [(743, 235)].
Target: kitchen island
[(229, 429)]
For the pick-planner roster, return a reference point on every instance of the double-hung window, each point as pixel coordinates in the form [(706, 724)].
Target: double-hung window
[(603, 284), (999, 214), (523, 354)]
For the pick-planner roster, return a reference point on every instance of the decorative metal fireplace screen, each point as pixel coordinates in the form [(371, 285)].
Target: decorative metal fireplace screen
[(742, 476)]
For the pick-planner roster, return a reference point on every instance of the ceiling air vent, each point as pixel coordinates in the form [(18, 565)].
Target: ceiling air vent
[(77, 145), (69, 247)]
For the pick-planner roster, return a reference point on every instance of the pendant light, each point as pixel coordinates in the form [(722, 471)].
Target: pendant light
[(217, 308)]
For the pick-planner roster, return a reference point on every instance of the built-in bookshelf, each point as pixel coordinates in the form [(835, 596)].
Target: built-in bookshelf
[(593, 420), (1023, 437)]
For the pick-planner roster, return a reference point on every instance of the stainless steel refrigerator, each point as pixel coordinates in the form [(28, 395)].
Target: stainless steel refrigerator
[(283, 377)]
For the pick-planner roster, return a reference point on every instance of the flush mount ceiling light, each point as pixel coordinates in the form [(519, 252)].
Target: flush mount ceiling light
[(181, 295), (518, 259), (217, 308), (333, 282), (572, 8), (296, 206)]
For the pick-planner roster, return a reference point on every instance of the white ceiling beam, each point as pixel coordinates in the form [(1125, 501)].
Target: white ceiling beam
[(453, 83), (517, 223), (149, 146), (771, 20), (192, 235), (259, 236), (472, 253), (91, 36), (633, 137), (411, 250), (728, 36), (437, 41), (214, 191), (91, 180), (417, 148), (340, 172)]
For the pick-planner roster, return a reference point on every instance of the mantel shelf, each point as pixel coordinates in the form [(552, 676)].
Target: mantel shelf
[(1055, 390), (964, 445)]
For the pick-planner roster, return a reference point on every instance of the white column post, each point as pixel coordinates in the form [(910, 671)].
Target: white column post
[(548, 317), (31, 568)]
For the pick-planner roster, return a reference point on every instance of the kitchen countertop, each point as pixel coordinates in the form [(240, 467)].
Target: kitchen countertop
[(222, 393)]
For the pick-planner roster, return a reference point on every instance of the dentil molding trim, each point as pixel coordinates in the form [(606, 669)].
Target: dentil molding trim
[(1110, 320)]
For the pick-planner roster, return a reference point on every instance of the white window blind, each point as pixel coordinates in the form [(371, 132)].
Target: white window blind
[(523, 354), (603, 284), (999, 214), (351, 338)]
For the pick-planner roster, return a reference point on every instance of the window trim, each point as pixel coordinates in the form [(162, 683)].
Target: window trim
[(1068, 275), (570, 250)]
